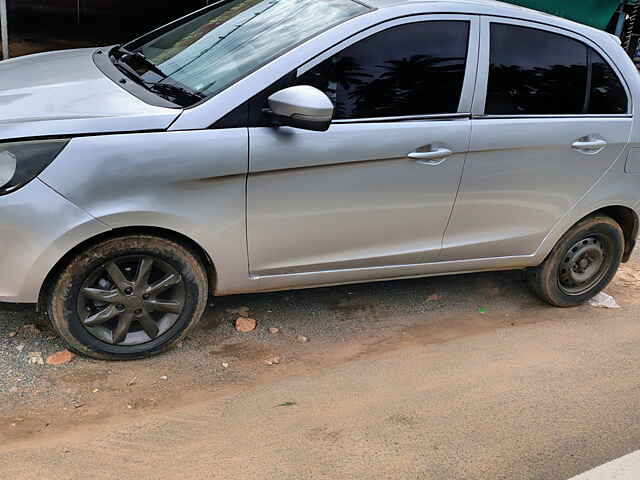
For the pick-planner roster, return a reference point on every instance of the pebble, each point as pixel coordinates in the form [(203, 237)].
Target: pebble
[(60, 358), (35, 358), (245, 324), (273, 361), (225, 365), (274, 330), (164, 377), (302, 338)]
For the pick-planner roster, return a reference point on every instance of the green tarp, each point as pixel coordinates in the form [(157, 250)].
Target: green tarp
[(596, 13)]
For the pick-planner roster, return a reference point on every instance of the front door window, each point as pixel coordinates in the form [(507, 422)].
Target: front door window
[(412, 69)]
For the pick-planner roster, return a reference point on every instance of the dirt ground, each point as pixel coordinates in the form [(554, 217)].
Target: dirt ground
[(342, 324)]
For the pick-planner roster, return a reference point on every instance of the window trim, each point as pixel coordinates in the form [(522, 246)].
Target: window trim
[(553, 115), (404, 118), (482, 83), (469, 82)]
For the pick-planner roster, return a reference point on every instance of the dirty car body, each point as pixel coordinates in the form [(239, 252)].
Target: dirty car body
[(282, 145)]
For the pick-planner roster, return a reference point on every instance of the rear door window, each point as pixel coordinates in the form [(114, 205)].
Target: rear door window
[(608, 96), (536, 72)]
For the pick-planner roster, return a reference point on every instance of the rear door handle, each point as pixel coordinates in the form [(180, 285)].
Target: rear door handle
[(589, 146), (434, 157)]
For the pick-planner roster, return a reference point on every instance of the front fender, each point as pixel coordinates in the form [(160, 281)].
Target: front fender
[(193, 183), (37, 228)]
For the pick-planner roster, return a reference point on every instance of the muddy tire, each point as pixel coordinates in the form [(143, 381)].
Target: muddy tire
[(581, 265), (128, 298)]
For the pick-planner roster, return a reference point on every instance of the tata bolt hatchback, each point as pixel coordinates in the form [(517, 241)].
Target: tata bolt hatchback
[(261, 145)]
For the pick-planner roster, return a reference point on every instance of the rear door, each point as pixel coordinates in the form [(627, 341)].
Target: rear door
[(376, 189), (551, 115)]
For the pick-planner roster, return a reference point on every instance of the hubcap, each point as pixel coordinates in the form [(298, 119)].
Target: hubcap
[(584, 265), (131, 300)]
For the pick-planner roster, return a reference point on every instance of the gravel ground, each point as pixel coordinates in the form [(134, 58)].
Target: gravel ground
[(19, 335), (328, 315)]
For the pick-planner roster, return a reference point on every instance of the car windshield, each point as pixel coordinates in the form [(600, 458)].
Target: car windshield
[(223, 44)]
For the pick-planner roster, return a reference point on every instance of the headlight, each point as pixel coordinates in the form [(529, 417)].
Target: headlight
[(21, 162)]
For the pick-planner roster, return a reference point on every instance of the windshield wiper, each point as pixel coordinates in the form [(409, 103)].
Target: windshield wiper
[(127, 61), (179, 95), (134, 60), (142, 61)]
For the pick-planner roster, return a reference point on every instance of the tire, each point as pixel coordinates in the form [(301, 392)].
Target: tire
[(581, 265), (105, 302)]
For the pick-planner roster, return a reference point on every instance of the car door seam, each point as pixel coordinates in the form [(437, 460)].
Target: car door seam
[(455, 199), (246, 202), (478, 19)]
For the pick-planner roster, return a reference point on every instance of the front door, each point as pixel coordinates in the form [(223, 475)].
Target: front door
[(377, 188), (554, 118)]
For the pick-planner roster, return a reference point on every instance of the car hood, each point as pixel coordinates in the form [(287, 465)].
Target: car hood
[(64, 93)]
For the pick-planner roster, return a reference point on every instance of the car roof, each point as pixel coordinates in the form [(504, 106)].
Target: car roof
[(493, 7), (475, 3)]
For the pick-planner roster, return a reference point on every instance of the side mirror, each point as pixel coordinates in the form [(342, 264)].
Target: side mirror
[(302, 107)]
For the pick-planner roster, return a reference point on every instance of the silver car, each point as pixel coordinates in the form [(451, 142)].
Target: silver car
[(261, 145)]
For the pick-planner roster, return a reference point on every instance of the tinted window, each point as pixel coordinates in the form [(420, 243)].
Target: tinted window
[(412, 69), (608, 96), (535, 72)]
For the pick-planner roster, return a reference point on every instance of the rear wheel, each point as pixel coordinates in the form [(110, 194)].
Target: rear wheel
[(581, 265), (128, 297)]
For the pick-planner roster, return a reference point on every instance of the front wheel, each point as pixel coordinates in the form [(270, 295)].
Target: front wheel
[(128, 297), (581, 265)]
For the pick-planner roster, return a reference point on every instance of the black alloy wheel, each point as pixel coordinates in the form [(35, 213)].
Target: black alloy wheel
[(131, 300), (129, 297)]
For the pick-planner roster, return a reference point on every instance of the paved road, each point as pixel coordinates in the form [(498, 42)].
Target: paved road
[(547, 400)]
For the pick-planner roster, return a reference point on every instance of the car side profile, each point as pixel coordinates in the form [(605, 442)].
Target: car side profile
[(262, 145)]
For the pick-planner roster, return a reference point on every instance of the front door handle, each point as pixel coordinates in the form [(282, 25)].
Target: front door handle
[(589, 145), (433, 157)]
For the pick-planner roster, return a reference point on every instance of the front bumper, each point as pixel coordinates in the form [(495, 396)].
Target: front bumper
[(37, 228)]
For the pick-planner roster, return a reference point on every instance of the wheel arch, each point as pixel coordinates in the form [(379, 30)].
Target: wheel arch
[(627, 218), (169, 234)]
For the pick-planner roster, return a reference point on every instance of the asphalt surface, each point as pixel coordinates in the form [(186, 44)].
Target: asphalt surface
[(465, 377)]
